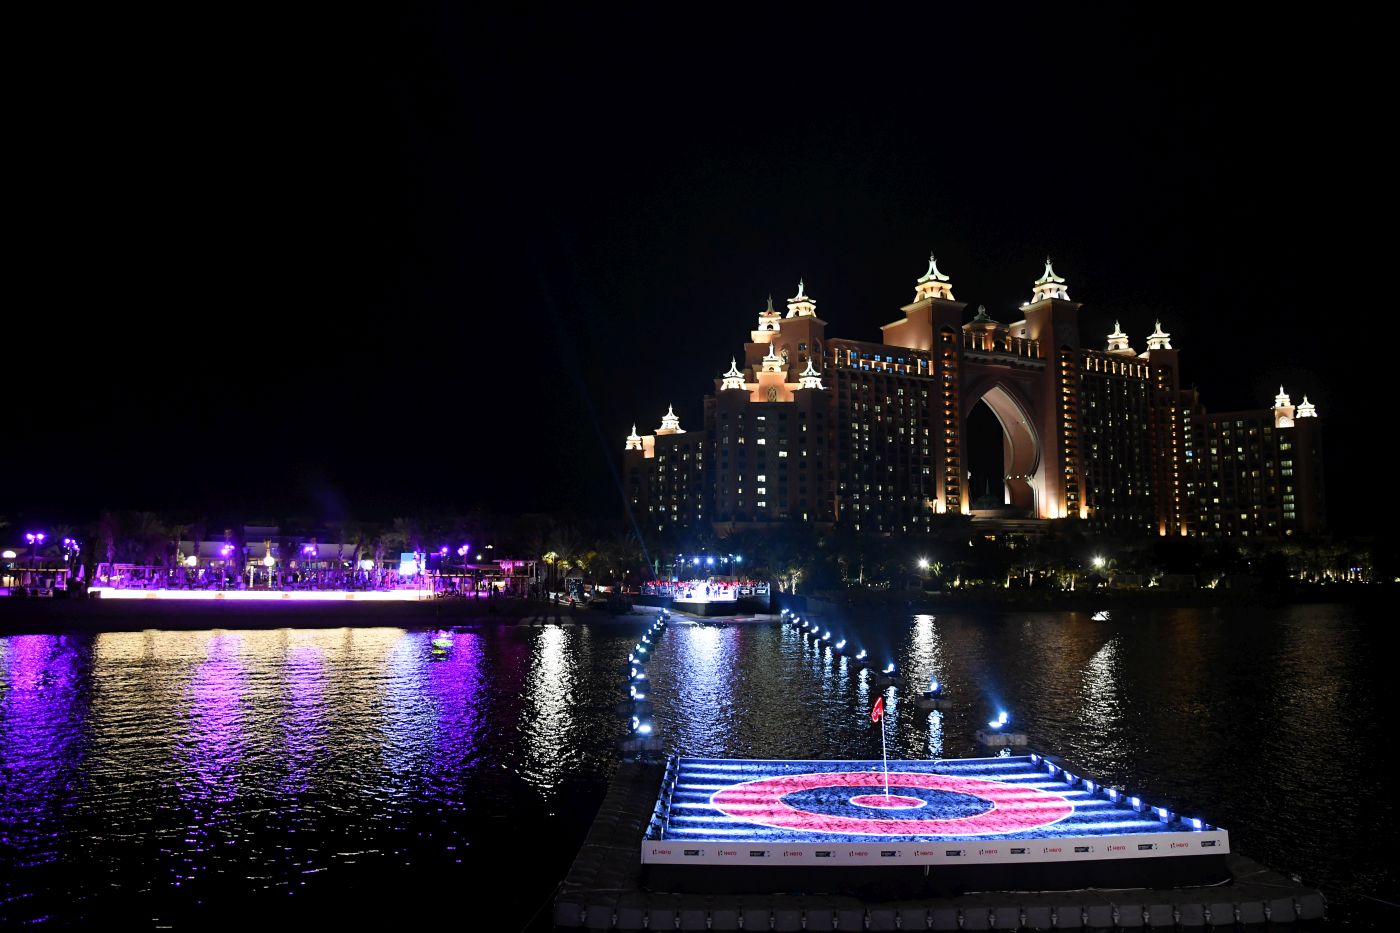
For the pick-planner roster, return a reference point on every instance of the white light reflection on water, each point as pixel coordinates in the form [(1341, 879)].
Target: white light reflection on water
[(551, 723), (704, 660), (935, 734), (1101, 712), (925, 661)]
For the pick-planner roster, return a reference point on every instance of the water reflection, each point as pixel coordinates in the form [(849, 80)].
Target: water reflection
[(407, 713), (703, 658), (302, 763), (213, 742), (40, 741), (1099, 709), (304, 714), (549, 728)]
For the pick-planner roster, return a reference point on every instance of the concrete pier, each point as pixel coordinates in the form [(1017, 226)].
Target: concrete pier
[(605, 890)]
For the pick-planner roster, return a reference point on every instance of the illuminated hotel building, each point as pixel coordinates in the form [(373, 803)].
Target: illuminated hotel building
[(871, 435), (664, 476)]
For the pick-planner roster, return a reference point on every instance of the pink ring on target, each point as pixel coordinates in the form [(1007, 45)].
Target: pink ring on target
[(1014, 808), (887, 802)]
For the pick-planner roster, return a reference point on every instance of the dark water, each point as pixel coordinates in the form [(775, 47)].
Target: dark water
[(193, 778)]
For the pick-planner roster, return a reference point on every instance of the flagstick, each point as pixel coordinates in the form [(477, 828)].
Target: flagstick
[(884, 756)]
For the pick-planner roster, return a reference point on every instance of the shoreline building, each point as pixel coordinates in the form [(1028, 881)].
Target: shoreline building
[(872, 434)]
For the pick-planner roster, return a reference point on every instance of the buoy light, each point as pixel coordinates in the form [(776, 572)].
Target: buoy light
[(890, 669), (826, 637), (1003, 717), (840, 644), (644, 728), (994, 724), (933, 685), (861, 656)]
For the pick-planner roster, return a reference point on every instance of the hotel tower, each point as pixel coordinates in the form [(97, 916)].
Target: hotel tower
[(806, 428)]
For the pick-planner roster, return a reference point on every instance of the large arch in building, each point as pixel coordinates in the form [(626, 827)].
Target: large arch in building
[(1021, 443)]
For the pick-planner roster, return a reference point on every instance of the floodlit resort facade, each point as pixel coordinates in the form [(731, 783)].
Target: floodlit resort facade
[(829, 431)]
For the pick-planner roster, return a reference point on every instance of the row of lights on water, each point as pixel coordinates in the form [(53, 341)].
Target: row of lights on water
[(887, 676), (636, 703), (1117, 796)]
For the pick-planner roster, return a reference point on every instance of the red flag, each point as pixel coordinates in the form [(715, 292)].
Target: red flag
[(878, 712)]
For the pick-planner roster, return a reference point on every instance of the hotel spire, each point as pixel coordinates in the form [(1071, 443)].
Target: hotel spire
[(1118, 341), (734, 379), (933, 284), (810, 378), (1159, 339), (634, 440), (772, 363), (670, 424), (768, 319), (1049, 285), (1283, 410), (800, 305)]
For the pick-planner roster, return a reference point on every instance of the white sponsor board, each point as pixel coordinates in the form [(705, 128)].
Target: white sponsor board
[(1009, 851)]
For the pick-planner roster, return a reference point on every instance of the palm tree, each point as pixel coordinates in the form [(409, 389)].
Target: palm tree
[(149, 537), (410, 532)]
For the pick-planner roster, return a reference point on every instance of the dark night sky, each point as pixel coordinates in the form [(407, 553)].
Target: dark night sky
[(360, 268)]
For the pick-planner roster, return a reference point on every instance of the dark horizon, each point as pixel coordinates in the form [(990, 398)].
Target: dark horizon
[(355, 269)]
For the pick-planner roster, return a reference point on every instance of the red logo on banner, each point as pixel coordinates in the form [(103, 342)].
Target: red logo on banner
[(878, 712)]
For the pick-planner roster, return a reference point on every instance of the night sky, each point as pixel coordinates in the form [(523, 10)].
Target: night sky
[(362, 268)]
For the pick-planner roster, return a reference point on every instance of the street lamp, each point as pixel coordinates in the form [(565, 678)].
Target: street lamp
[(1098, 562), (923, 563), (466, 573), (36, 541)]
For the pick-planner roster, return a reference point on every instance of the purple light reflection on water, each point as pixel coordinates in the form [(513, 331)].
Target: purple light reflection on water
[(41, 725), (304, 720), (457, 686), (206, 775), (435, 708), (214, 742)]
